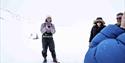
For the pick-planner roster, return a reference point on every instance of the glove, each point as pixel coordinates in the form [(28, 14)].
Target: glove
[(48, 27)]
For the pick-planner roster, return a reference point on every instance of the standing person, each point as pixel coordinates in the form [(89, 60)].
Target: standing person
[(108, 46), (118, 18), (47, 30), (99, 24)]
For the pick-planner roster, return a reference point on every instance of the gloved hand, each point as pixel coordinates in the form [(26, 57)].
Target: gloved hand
[(48, 27)]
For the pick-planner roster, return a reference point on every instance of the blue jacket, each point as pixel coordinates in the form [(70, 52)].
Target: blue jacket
[(108, 46)]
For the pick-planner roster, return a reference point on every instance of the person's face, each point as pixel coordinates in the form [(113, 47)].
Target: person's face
[(48, 19), (98, 23), (119, 17), (123, 20)]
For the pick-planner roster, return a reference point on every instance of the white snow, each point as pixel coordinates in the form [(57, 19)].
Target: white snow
[(73, 20), (18, 47)]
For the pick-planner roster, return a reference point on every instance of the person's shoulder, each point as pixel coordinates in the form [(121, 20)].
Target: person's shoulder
[(43, 23), (94, 27), (52, 24), (104, 25), (112, 25), (112, 28)]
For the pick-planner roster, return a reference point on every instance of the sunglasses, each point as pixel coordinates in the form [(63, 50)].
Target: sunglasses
[(119, 18), (99, 22)]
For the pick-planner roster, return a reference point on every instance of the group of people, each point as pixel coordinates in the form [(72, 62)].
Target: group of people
[(107, 43), (99, 24)]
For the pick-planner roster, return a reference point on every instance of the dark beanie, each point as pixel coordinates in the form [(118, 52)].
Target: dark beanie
[(99, 18), (120, 14)]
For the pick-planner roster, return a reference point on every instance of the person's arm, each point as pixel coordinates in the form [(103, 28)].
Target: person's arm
[(43, 28), (91, 35), (53, 29)]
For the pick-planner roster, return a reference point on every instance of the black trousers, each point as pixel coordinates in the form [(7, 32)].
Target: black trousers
[(48, 43)]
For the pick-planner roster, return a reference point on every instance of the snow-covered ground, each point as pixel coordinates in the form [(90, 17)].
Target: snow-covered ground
[(73, 20), (17, 46)]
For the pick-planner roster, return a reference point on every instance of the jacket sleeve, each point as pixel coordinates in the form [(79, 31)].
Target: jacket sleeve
[(43, 28), (111, 31), (53, 29), (91, 35)]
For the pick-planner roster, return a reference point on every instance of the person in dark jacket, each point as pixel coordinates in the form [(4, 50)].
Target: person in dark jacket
[(108, 46), (47, 30), (99, 24)]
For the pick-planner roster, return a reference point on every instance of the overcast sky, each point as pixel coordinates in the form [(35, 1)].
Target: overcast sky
[(65, 12)]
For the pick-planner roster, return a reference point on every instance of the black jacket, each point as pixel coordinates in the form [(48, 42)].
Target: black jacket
[(94, 31)]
